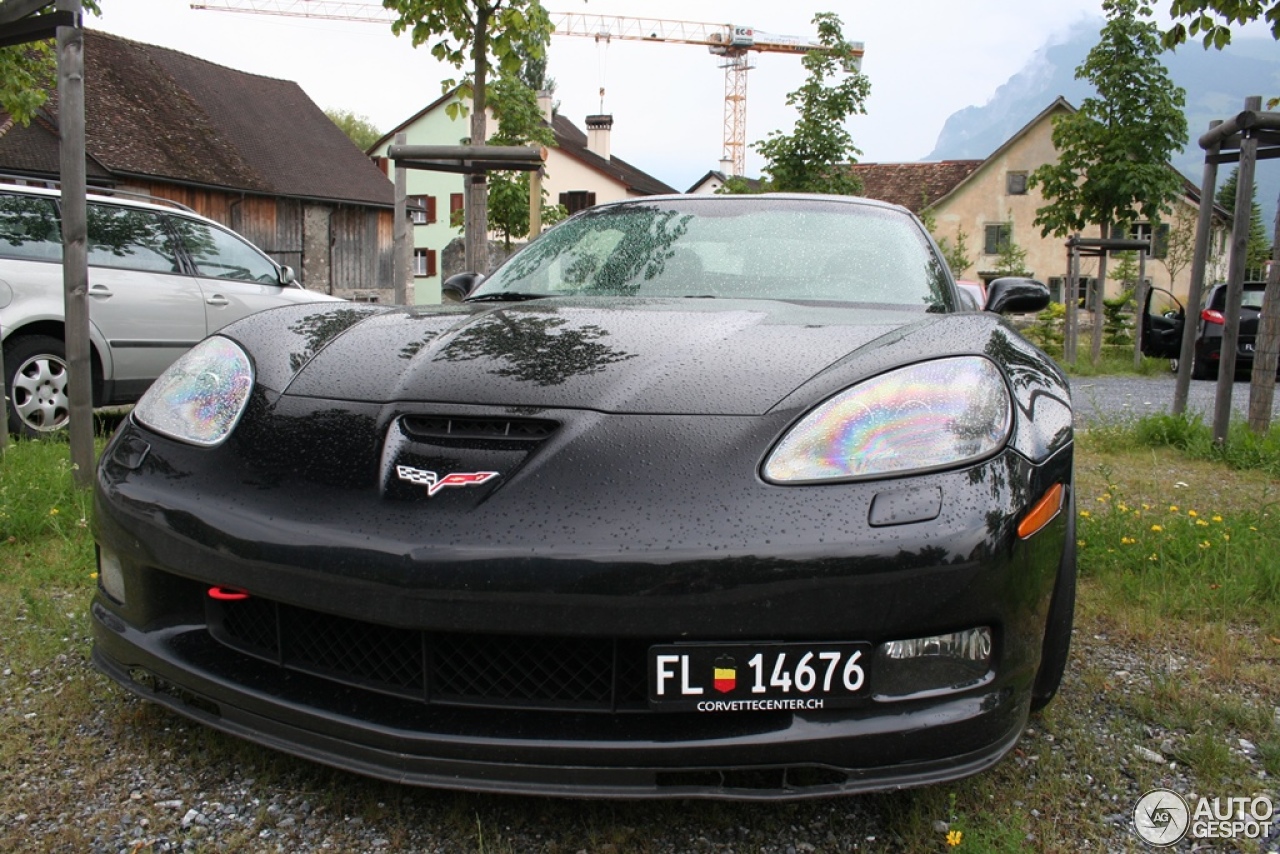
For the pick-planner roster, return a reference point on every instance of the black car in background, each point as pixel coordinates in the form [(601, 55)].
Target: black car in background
[(1164, 318), (717, 497)]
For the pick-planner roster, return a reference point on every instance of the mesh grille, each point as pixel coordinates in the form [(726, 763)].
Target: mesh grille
[(585, 674)]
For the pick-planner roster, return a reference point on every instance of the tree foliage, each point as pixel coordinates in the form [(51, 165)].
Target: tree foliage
[(1258, 248), (358, 129), (954, 252), (499, 34), (520, 122), (1113, 154), (813, 158), (1212, 20), (28, 73), (1011, 259), (488, 34)]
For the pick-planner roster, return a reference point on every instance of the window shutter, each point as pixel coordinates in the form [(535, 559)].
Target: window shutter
[(431, 209), (431, 262)]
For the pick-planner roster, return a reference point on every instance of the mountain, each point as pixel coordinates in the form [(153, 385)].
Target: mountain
[(1216, 84)]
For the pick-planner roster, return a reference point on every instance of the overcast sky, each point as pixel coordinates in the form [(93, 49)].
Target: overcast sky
[(925, 60)]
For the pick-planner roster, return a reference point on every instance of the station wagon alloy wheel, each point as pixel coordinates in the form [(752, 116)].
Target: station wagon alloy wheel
[(37, 386)]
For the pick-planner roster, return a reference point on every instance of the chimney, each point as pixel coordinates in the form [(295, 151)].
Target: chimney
[(598, 128), (544, 104), (726, 167)]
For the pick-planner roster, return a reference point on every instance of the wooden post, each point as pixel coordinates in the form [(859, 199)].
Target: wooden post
[(401, 251), (1070, 300), (535, 203), (1235, 278), (1195, 291), (75, 259), (1140, 298)]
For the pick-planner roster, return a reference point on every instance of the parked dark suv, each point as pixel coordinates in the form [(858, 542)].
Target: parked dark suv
[(161, 278), (1164, 317)]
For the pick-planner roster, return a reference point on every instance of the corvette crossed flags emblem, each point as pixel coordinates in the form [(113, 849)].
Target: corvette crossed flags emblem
[(434, 483)]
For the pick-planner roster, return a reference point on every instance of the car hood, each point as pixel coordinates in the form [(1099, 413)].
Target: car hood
[(685, 356)]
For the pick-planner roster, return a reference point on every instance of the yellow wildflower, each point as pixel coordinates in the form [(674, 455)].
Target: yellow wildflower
[(1157, 528), (954, 837), (1217, 518), (1127, 541), (53, 511), (1085, 513), (1173, 508), (1202, 523), (1193, 514)]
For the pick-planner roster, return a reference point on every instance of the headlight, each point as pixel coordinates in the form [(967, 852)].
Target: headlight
[(201, 396), (925, 416)]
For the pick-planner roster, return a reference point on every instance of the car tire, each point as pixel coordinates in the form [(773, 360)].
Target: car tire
[(1057, 630), (1202, 370), (35, 383)]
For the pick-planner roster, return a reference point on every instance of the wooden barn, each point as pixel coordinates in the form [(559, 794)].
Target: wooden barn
[(251, 152)]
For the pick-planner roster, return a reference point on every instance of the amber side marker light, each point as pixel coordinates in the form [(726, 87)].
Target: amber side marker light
[(1044, 512)]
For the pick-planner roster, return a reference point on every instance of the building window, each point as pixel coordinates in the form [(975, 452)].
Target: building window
[(422, 209), (577, 200), (996, 237), (1016, 183), (424, 262)]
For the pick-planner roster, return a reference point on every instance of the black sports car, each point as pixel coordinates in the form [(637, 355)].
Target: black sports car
[(694, 496)]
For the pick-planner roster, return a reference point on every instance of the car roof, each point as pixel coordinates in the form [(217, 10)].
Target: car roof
[(738, 198), (123, 198)]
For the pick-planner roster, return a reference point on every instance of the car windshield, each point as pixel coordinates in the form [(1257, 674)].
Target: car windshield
[(737, 247)]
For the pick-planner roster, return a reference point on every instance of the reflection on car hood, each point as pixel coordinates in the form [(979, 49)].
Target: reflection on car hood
[(727, 357)]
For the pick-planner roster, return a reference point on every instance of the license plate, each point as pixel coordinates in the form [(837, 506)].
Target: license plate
[(757, 677)]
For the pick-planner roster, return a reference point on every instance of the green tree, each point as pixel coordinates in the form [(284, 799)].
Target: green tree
[(358, 129), (486, 33), (1011, 259), (1258, 249), (28, 73), (1212, 19), (955, 253), (520, 122), (813, 158), (1113, 154)]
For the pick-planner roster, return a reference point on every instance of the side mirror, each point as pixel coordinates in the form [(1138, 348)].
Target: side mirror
[(1015, 295), (459, 286), (287, 275)]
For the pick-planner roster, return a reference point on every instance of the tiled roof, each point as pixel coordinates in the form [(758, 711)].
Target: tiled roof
[(915, 186), (157, 113), (572, 141), (33, 149)]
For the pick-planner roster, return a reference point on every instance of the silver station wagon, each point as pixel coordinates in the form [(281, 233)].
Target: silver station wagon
[(161, 278)]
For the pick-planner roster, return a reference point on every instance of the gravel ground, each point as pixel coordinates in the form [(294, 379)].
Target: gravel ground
[(154, 782), (1120, 397)]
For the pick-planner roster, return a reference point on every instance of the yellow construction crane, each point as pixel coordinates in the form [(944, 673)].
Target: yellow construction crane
[(732, 42)]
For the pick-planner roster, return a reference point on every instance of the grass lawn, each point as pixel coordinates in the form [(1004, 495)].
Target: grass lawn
[(1175, 668)]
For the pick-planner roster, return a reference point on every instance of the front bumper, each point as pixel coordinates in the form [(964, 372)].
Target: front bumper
[(782, 571)]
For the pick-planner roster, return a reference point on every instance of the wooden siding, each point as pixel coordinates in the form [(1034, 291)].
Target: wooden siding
[(358, 261)]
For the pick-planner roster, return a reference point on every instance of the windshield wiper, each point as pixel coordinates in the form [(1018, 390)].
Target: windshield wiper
[(504, 296)]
